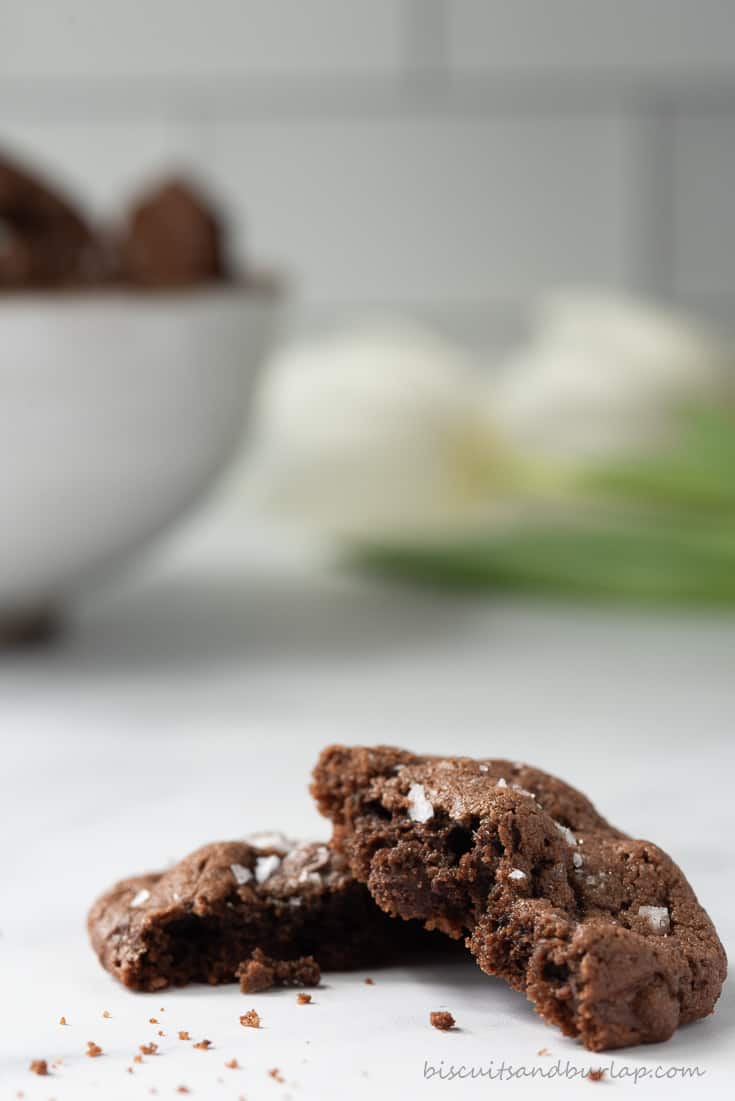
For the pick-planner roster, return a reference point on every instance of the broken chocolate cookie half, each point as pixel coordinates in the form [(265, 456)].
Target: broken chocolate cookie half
[(261, 912), (602, 932)]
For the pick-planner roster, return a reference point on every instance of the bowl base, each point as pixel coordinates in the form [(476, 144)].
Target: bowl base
[(28, 627)]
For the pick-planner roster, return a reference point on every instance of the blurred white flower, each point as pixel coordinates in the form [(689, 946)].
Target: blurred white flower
[(603, 375), (387, 432), (373, 433)]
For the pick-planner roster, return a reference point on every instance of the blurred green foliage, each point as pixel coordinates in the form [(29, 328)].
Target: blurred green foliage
[(653, 529)]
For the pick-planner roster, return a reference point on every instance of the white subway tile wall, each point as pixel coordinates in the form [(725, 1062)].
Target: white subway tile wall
[(704, 206), (190, 39), (454, 157), (432, 209), (647, 39)]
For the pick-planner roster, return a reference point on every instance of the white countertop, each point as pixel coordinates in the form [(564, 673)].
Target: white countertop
[(188, 703)]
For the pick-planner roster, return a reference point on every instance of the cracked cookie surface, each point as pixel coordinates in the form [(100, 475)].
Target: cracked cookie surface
[(602, 932), (205, 918)]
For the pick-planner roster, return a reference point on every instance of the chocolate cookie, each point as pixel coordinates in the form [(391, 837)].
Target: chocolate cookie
[(232, 911), (173, 239), (44, 241), (603, 933)]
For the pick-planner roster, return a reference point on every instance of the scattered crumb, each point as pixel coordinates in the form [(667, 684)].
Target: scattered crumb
[(369, 982), (137, 1058), (276, 1075), (232, 1064), (251, 1019), (93, 1049), (543, 1051), (183, 1089), (184, 1035), (442, 1020), (153, 1020), (63, 1021), (129, 1070), (39, 1066), (149, 1049), (596, 1075), (202, 1045), (161, 1032), (106, 1014), (162, 1009), (303, 999)]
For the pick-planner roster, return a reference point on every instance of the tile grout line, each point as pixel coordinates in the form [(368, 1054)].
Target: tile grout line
[(423, 86), (425, 44), (653, 244)]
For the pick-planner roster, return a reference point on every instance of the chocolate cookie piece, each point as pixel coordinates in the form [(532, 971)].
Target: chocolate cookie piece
[(238, 902), (172, 239), (44, 241), (603, 933), (261, 972)]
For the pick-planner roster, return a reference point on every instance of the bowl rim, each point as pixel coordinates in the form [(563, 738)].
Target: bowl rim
[(260, 286)]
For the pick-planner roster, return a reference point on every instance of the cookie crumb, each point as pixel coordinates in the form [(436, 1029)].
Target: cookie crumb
[(129, 1070), (596, 1075), (543, 1051), (184, 1035), (276, 1075), (93, 1049), (442, 1020), (369, 982), (202, 1045), (63, 1021), (183, 1089), (39, 1066), (232, 1064), (251, 1019), (261, 972), (137, 1058), (149, 1049), (106, 1014), (153, 1020), (161, 1032), (303, 999)]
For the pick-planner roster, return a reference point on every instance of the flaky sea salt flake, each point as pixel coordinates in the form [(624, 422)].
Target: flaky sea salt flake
[(241, 874), (566, 834), (419, 807), (265, 866), (657, 917)]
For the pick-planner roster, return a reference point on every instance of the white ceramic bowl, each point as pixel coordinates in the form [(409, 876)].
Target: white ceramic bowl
[(117, 410)]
